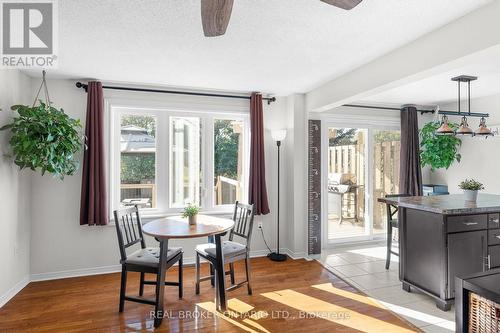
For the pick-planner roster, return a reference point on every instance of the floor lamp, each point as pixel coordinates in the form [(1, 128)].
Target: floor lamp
[(278, 136)]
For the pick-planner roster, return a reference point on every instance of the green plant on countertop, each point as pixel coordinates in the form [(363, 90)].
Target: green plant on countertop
[(46, 139), (438, 151), (471, 185), (190, 210)]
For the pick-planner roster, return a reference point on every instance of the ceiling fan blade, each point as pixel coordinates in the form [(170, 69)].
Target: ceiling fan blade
[(344, 4), (215, 15)]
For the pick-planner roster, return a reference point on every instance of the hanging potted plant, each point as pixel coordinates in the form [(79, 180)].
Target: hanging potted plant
[(471, 188), (191, 212), (438, 151), (44, 138)]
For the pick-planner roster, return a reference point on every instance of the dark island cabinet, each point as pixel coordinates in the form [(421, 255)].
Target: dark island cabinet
[(494, 256), (466, 254), (444, 236), (435, 248)]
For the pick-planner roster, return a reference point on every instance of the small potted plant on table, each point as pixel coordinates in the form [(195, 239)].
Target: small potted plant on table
[(471, 187), (191, 212)]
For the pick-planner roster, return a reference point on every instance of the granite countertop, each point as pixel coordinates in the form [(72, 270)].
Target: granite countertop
[(452, 204)]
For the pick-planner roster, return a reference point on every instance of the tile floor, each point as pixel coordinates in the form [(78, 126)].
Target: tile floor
[(363, 266)]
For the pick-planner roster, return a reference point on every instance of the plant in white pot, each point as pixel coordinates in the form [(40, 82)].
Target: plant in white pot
[(191, 212), (471, 187)]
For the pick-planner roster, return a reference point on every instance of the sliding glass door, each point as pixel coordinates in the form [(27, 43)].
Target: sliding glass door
[(346, 182), (385, 173), (362, 165)]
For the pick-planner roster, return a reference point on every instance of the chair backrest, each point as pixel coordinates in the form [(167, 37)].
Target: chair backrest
[(243, 222), (392, 210), (128, 229)]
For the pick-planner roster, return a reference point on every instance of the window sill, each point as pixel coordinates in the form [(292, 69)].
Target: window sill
[(145, 217)]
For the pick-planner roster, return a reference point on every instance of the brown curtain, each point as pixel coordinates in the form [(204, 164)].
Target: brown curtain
[(93, 205), (410, 173), (257, 183)]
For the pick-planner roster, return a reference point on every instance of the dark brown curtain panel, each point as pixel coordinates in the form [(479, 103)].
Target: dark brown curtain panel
[(410, 173), (93, 206), (257, 183)]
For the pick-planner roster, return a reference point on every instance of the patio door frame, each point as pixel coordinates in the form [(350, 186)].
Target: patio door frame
[(370, 124)]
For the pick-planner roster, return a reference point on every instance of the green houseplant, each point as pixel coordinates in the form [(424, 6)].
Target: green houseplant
[(438, 151), (191, 212), (470, 188), (45, 139)]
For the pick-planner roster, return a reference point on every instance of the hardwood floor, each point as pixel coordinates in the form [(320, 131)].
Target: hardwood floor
[(291, 296)]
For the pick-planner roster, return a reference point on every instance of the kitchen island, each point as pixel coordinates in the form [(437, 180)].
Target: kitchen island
[(441, 237)]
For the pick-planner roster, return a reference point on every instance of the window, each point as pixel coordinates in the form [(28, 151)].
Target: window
[(162, 160), (184, 161), (138, 160), (228, 161)]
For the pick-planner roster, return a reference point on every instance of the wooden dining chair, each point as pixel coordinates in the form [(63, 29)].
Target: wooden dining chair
[(392, 223), (144, 260), (232, 251)]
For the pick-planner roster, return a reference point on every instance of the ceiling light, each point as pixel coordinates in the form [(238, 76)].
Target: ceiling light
[(445, 129), (483, 130), (464, 128)]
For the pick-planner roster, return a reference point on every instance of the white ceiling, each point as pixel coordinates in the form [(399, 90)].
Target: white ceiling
[(274, 46), (439, 89)]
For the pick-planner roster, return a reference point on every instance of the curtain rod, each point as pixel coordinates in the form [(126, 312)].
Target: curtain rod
[(84, 86), (443, 112), (383, 108)]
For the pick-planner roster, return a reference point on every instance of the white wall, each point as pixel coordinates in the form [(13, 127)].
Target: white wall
[(15, 88), (480, 157), (297, 173), (62, 245)]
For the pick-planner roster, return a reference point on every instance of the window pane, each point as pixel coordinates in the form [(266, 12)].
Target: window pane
[(185, 166), (386, 150), (228, 161), (138, 161), (346, 182)]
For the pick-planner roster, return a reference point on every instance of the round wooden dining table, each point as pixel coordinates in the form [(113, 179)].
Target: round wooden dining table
[(177, 227)]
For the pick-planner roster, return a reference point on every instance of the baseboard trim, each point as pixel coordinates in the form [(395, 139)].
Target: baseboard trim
[(295, 255), (75, 273), (6, 297)]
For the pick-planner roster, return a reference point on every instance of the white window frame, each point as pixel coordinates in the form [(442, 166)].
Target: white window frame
[(116, 108)]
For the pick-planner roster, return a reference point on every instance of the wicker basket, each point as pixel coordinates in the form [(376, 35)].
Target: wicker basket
[(484, 315)]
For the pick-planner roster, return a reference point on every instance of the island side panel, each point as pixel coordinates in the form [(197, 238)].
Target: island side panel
[(423, 249)]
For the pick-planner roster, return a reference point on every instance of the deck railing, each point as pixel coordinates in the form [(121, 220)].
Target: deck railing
[(227, 190), (139, 191)]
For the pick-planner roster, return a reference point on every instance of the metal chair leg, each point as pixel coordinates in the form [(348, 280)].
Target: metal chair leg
[(123, 287), (180, 277), (389, 246), (249, 273), (141, 285), (231, 273), (197, 268)]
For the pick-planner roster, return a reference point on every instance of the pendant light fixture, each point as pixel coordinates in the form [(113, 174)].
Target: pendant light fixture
[(445, 129), (483, 130), (463, 129)]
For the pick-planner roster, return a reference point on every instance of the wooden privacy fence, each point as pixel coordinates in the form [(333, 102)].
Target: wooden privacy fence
[(386, 177), (350, 159)]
